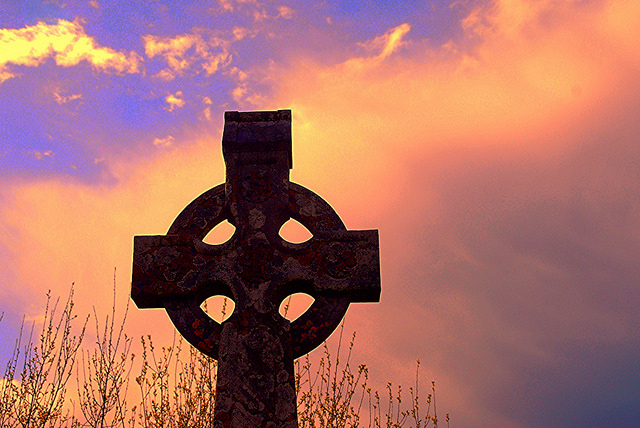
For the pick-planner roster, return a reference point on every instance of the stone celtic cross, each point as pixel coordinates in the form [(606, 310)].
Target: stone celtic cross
[(257, 269)]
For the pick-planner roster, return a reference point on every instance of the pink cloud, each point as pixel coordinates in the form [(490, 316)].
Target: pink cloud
[(502, 177)]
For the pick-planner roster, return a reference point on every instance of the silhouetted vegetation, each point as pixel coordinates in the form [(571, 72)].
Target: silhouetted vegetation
[(53, 380)]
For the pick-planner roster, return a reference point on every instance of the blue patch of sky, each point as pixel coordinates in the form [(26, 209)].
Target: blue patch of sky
[(8, 10), (609, 368), (42, 138), (106, 117), (34, 11), (137, 19), (130, 103), (18, 14), (113, 31), (42, 155), (9, 331), (121, 115), (435, 20), (120, 25)]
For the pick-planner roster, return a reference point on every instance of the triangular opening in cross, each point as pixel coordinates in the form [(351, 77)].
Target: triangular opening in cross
[(220, 234), (294, 305), (218, 307), (293, 231)]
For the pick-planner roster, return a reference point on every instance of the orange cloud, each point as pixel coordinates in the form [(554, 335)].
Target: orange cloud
[(533, 85), (286, 12), (163, 142), (41, 155), (60, 233), (174, 101), (231, 5), (182, 52), (65, 42), (389, 42), (523, 77), (63, 99)]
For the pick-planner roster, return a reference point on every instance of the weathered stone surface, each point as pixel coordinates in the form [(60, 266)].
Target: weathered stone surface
[(257, 269)]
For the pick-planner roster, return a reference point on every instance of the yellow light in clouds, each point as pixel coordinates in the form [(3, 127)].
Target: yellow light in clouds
[(174, 49), (174, 101), (66, 42), (393, 39)]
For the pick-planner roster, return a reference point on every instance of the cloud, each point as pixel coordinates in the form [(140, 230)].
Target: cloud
[(164, 142), (389, 42), (41, 155), (63, 99), (48, 227), (503, 174), (181, 53), (286, 12), (66, 42), (252, 87), (501, 168), (174, 101), (232, 5), (258, 10), (529, 259)]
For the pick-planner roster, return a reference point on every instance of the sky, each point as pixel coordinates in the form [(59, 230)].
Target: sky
[(494, 144)]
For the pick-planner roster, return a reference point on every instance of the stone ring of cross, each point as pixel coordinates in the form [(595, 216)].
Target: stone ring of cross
[(309, 330)]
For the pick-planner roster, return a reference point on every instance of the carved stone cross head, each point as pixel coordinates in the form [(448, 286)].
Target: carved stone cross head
[(257, 269)]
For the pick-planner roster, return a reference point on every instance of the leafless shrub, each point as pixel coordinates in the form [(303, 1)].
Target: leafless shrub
[(332, 396), (103, 380), (34, 385), (175, 383)]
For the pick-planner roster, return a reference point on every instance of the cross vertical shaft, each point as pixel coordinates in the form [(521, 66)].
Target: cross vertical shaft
[(256, 385)]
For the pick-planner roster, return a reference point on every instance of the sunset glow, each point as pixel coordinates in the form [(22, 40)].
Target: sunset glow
[(494, 144)]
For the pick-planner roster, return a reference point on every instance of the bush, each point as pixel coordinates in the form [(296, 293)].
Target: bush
[(174, 385)]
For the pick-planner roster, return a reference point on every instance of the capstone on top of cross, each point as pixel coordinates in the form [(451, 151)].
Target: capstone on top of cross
[(258, 132)]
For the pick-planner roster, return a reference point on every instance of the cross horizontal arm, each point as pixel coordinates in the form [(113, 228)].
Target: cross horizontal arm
[(338, 263), (167, 267)]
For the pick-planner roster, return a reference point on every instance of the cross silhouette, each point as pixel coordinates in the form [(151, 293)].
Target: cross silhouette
[(257, 269)]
